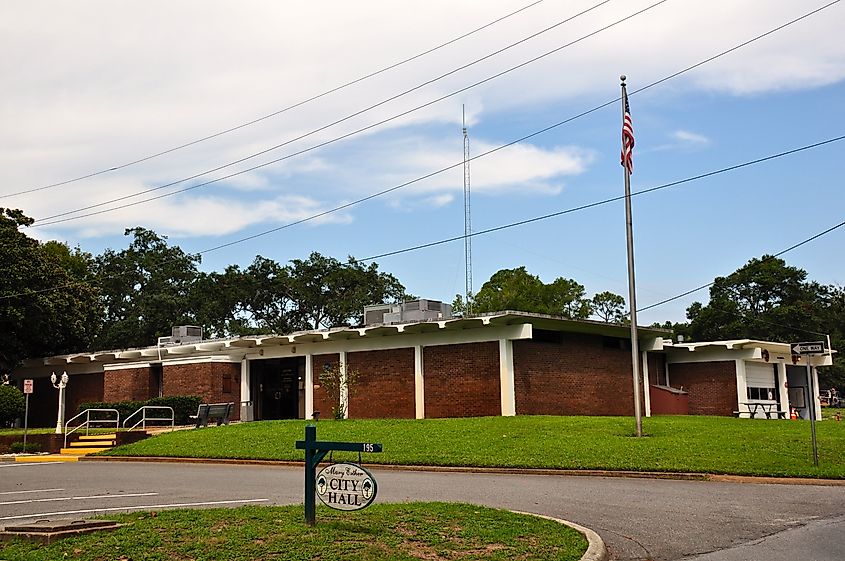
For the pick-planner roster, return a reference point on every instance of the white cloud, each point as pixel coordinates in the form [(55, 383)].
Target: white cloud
[(98, 84)]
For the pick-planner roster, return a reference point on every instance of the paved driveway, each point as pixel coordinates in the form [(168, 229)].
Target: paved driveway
[(638, 518)]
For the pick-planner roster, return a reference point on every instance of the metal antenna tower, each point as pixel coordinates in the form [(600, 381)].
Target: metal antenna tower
[(467, 216)]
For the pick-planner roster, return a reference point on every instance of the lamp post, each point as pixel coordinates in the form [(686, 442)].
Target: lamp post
[(61, 385)]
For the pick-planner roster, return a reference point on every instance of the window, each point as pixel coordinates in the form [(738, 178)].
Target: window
[(766, 394)]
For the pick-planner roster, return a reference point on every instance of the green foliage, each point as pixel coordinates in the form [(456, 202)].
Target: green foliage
[(381, 532), (12, 404), (48, 305), (769, 300), (676, 444), (516, 289), (18, 447), (609, 307), (334, 383), (268, 297), (183, 406), (145, 290)]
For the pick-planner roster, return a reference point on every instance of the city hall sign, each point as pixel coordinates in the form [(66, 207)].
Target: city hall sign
[(346, 487)]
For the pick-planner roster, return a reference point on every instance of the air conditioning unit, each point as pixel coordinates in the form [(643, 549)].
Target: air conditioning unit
[(382, 313), (415, 310), (181, 334)]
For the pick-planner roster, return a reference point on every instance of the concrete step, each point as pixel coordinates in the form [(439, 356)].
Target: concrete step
[(83, 451), (46, 458), (92, 443), (110, 436)]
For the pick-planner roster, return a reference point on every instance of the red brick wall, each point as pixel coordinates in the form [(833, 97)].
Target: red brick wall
[(204, 379), (385, 386), (711, 386), (462, 380), (577, 376), (127, 384), (322, 403), (83, 388)]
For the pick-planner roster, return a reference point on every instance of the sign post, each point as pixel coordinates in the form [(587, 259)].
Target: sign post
[(315, 451), (27, 389), (809, 350)]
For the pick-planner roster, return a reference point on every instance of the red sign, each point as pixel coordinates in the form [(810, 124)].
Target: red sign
[(27, 386)]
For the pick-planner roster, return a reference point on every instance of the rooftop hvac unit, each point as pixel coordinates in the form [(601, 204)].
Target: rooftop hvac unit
[(376, 313), (415, 310), (186, 334)]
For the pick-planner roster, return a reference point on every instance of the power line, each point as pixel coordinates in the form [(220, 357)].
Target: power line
[(702, 287), (442, 170), (278, 112), (48, 220), (618, 198), (577, 209)]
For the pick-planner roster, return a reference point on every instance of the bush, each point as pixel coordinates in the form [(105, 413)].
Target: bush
[(17, 447), (183, 406), (12, 404)]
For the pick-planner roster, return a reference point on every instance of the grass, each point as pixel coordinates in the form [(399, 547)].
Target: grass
[(676, 444), (52, 430), (381, 532)]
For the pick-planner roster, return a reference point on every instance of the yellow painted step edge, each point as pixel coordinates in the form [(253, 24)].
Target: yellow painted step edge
[(81, 451), (110, 436), (92, 443), (47, 458)]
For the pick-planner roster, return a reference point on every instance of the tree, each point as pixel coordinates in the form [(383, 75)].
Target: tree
[(609, 307), (11, 404), (764, 299), (517, 289), (335, 384), (146, 290), (326, 292), (767, 299), (47, 306)]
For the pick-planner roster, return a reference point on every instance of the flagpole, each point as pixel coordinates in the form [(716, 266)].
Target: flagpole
[(632, 292)]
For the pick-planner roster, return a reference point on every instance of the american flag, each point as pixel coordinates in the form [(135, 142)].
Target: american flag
[(627, 137)]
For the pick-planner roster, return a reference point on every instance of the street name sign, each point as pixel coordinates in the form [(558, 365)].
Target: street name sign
[(346, 487), (811, 348)]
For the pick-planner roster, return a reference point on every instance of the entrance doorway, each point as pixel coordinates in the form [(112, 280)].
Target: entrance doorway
[(278, 388)]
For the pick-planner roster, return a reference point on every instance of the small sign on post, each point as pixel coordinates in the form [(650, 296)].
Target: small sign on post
[(810, 349), (27, 389), (340, 486)]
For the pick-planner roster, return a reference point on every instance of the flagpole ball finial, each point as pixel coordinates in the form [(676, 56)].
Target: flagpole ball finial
[(623, 77)]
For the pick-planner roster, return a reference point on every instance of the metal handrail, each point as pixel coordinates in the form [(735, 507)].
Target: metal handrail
[(143, 421), (88, 421)]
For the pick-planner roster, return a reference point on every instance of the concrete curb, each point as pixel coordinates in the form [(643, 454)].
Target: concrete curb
[(678, 476), (596, 551)]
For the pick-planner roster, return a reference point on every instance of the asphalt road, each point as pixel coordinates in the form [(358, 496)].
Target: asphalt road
[(638, 518)]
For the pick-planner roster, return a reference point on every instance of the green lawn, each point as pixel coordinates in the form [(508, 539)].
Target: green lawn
[(676, 444), (381, 532)]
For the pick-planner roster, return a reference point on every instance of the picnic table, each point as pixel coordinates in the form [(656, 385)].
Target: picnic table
[(752, 408)]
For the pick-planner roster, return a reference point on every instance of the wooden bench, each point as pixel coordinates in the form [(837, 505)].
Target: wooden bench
[(218, 411)]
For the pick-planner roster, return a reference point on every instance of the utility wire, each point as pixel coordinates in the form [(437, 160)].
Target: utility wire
[(572, 210), (275, 113), (709, 284), (447, 168), (619, 198), (51, 219)]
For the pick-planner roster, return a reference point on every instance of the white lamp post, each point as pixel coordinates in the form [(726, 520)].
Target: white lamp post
[(60, 418)]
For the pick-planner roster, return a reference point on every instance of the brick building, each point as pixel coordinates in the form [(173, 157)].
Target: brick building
[(508, 363)]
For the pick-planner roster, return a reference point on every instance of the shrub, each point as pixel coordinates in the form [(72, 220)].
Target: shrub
[(17, 447), (12, 404)]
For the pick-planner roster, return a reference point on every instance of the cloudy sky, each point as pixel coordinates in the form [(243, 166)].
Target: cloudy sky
[(91, 86)]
